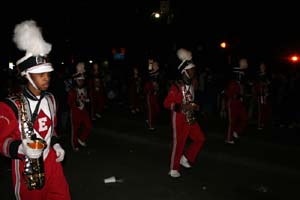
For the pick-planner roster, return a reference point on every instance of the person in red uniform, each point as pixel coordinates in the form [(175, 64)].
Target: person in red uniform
[(96, 90), (236, 110), (151, 90), (28, 120), (181, 102), (81, 123), (134, 90), (262, 90)]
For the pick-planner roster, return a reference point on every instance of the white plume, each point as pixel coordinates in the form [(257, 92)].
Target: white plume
[(28, 37), (184, 54)]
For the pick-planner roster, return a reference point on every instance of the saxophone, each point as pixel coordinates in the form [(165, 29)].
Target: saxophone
[(34, 173), (190, 116)]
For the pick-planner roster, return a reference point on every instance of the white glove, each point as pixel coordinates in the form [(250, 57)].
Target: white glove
[(25, 149), (60, 153)]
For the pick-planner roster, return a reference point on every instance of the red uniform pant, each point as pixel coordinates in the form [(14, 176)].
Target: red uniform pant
[(181, 131), (262, 114), (81, 126), (152, 109), (55, 188), (237, 117)]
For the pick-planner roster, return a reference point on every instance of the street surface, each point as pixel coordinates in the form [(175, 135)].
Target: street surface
[(262, 165)]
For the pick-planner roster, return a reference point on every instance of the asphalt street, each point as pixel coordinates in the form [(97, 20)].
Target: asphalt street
[(262, 165)]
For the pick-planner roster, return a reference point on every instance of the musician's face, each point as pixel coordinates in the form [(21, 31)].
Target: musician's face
[(262, 67), (188, 76), (41, 80), (192, 73), (95, 68)]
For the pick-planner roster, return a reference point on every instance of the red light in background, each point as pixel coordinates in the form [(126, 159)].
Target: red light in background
[(294, 58), (122, 50)]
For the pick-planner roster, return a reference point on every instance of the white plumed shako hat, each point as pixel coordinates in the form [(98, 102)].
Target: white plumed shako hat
[(186, 60), (28, 37)]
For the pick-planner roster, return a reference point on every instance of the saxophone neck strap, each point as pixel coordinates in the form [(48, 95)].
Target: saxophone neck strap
[(35, 112)]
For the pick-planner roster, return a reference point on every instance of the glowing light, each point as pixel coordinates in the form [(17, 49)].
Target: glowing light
[(11, 65), (294, 58), (105, 62), (156, 15), (223, 45)]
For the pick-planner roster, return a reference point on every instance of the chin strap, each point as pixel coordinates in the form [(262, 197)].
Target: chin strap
[(27, 75)]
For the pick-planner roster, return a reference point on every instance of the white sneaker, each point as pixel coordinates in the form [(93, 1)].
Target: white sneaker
[(98, 115), (82, 143), (229, 141), (184, 162), (235, 135), (174, 173), (151, 129)]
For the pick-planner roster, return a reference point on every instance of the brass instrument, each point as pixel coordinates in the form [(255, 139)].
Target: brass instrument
[(190, 116), (34, 173)]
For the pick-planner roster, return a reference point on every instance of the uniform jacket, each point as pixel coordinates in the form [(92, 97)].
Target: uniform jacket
[(44, 125)]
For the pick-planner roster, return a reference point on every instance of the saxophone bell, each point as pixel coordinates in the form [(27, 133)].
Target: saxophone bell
[(33, 173)]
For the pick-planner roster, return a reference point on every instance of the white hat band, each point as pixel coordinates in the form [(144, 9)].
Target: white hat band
[(42, 68)]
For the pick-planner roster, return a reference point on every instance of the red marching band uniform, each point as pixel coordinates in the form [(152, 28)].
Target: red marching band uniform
[(134, 91), (180, 101), (236, 110), (151, 89), (96, 92), (80, 116), (28, 122), (262, 93)]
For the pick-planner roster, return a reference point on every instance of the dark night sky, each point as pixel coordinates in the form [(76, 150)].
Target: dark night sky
[(89, 26)]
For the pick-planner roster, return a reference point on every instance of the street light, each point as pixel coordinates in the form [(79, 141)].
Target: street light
[(156, 15), (223, 45)]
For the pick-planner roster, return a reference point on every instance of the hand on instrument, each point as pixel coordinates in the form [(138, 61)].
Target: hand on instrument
[(29, 148)]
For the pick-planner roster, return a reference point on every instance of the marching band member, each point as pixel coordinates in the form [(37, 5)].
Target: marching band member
[(28, 121), (78, 100), (262, 91), (134, 90), (181, 102), (151, 90), (96, 90), (236, 110)]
